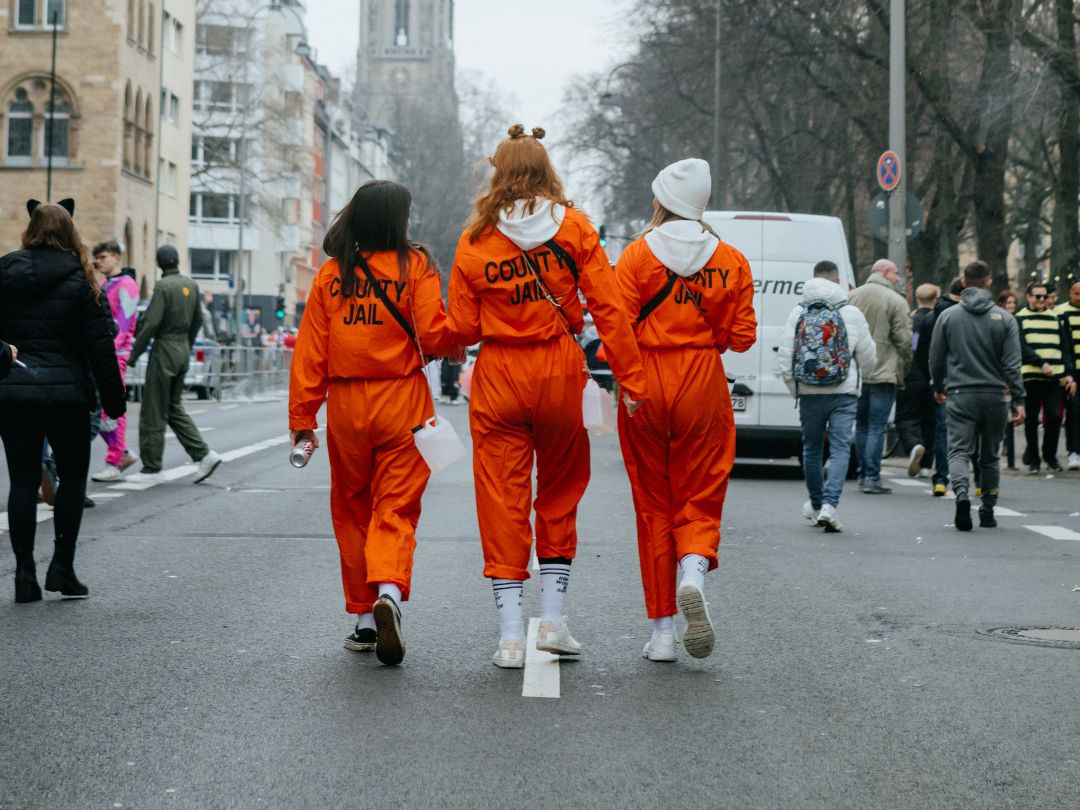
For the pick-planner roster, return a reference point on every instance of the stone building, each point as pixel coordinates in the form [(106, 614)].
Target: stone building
[(103, 131), (175, 105)]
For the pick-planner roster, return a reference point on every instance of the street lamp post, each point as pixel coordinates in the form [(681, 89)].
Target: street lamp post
[(717, 195), (897, 141)]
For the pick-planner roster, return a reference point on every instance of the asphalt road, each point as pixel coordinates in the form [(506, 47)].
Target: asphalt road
[(206, 669)]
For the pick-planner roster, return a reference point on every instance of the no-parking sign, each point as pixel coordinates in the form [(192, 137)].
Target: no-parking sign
[(888, 170)]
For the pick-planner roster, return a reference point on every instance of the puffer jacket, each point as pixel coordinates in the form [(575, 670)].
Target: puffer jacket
[(63, 332), (890, 325), (861, 345)]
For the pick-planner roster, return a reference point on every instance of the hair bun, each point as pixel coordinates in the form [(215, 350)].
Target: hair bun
[(516, 131), (538, 133)]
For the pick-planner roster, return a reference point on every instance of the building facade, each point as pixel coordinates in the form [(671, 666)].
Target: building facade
[(97, 124)]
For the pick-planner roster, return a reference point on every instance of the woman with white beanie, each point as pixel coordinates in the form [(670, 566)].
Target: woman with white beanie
[(690, 297)]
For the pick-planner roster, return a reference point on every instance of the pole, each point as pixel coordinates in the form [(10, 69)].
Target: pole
[(717, 195), (52, 111), (897, 141), (241, 204), (162, 48)]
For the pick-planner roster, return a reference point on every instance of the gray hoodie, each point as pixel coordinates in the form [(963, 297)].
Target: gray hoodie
[(976, 347)]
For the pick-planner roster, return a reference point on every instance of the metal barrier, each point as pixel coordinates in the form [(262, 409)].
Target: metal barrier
[(227, 372)]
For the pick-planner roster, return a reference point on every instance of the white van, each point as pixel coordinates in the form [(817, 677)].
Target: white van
[(782, 250)]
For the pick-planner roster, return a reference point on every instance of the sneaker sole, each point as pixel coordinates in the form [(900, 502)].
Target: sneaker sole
[(699, 637), (209, 472), (659, 659), (390, 645), (355, 647), (103, 479), (831, 527), (506, 664), (557, 649), (915, 464)]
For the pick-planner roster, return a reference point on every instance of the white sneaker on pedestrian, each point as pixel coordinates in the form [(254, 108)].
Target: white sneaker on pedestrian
[(827, 519), (926, 472), (210, 462), (129, 460), (510, 654), (915, 460), (660, 648), (1073, 461), (110, 473), (699, 637), (556, 640), (809, 512), (145, 478)]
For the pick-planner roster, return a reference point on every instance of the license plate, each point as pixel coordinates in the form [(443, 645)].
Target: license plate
[(738, 403)]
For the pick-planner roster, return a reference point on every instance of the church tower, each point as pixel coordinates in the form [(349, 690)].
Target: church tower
[(405, 58)]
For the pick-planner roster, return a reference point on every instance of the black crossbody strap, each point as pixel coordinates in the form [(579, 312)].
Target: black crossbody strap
[(380, 293), (563, 257), (658, 299), (534, 265)]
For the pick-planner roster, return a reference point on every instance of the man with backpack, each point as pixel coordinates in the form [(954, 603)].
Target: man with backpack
[(825, 352)]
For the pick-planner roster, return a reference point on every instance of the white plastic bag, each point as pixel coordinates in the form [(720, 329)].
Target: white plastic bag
[(438, 443), (597, 409)]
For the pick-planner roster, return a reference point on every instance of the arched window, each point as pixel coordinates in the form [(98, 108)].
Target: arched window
[(148, 137), (129, 127), (20, 129), (56, 134), (131, 21), (137, 164), (142, 23), (32, 128), (129, 244), (401, 22)]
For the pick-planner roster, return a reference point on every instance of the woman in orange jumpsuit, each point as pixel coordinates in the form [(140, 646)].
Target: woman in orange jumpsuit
[(374, 311), (525, 254), (692, 299)]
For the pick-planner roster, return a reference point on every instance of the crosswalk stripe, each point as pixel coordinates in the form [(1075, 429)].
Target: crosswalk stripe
[(541, 674), (910, 482), (1055, 532)]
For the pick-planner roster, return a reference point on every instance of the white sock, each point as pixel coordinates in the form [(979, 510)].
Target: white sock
[(664, 626), (391, 590), (694, 567), (554, 582), (508, 608), (365, 621)]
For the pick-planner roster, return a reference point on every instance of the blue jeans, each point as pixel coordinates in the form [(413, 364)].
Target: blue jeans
[(941, 445), (874, 406), (833, 414)]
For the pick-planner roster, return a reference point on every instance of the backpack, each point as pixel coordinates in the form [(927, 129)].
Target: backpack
[(822, 354)]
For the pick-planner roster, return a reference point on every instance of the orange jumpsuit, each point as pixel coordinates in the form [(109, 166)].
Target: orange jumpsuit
[(351, 352), (679, 447), (528, 382)]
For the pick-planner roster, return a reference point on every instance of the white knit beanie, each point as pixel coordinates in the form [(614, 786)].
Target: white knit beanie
[(683, 188)]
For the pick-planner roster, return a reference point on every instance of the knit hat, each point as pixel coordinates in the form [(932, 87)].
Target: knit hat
[(683, 188), (167, 257)]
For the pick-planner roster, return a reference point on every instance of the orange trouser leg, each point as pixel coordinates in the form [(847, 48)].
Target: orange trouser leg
[(526, 399), (377, 480), (679, 449)]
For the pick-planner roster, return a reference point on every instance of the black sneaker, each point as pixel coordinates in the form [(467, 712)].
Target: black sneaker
[(873, 486), (88, 502), (361, 640), (963, 515), (1033, 469), (1052, 465), (986, 518), (389, 643)]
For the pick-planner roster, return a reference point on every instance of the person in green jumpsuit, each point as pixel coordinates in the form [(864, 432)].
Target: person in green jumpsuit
[(172, 321)]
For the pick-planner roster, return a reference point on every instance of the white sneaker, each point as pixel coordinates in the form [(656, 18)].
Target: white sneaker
[(827, 519), (661, 648), (510, 654), (556, 640), (210, 462), (809, 512), (926, 472), (1073, 461), (915, 460), (110, 473), (699, 636), (145, 478)]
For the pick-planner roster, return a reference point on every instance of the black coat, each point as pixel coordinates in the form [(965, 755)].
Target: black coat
[(64, 334)]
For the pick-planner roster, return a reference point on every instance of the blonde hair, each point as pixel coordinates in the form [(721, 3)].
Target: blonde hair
[(662, 216), (927, 293)]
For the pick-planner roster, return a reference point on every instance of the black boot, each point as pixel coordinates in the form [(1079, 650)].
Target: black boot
[(61, 574), (962, 520), (26, 584), (986, 517)]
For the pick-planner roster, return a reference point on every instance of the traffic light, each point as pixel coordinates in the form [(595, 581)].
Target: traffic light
[(603, 235), (279, 310)]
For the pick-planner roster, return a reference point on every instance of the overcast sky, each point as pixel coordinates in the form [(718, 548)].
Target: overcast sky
[(530, 49)]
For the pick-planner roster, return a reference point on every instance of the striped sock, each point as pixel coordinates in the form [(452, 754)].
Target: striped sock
[(554, 582), (508, 608)]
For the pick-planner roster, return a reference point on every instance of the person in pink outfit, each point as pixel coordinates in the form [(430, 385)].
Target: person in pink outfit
[(123, 296)]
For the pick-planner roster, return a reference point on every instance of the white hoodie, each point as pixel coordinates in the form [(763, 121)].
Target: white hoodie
[(862, 346), (532, 230), (682, 246)]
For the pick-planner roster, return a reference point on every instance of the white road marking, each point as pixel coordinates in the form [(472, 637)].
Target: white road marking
[(534, 563), (170, 435), (541, 678), (1055, 532), (909, 482), (1001, 511), (106, 496), (44, 512), (228, 407)]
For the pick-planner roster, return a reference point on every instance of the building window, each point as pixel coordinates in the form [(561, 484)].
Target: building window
[(170, 179), (56, 134), (150, 26), (27, 14), (401, 23), (220, 96), (39, 13), (176, 37), (20, 129), (34, 130), (174, 108), (211, 264), (220, 40), (214, 208), (54, 12)]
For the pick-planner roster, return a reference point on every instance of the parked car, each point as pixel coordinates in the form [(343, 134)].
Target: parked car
[(203, 375)]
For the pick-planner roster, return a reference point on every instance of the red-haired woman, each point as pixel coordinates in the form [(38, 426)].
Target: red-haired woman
[(50, 307), (692, 297), (525, 254)]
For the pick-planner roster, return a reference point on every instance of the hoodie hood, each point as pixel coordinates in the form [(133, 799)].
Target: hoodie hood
[(682, 246), (531, 230), (821, 290), (976, 301), (32, 273)]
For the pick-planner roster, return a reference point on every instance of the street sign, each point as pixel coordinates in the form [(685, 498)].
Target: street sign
[(888, 170), (877, 216)]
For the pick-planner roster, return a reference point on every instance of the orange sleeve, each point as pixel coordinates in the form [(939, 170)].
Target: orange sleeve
[(464, 306), (432, 325), (626, 279), (308, 376), (606, 306), (739, 331)]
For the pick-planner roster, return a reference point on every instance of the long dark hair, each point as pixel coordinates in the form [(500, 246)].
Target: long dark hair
[(376, 218), (51, 226)]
